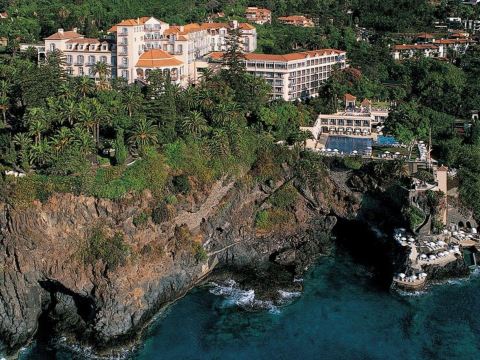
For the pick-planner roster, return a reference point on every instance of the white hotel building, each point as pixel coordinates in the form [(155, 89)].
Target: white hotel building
[(293, 76), (143, 44)]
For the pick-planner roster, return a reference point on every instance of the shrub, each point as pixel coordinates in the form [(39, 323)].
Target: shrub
[(121, 151), (199, 252), (112, 251), (269, 219), (414, 217), (284, 197), (171, 199), (261, 220), (140, 220), (353, 163), (181, 184), (163, 213), (425, 176)]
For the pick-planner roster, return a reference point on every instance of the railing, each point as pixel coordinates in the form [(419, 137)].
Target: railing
[(79, 63), (122, 34), (123, 66)]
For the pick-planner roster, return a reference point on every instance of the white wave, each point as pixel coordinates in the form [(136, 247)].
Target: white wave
[(298, 280), (289, 294), (235, 296), (410, 293)]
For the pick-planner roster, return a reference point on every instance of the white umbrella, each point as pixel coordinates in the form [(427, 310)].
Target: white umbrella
[(387, 152), (401, 276), (413, 277), (404, 238), (423, 256), (423, 274), (335, 150), (432, 257), (397, 153), (355, 151)]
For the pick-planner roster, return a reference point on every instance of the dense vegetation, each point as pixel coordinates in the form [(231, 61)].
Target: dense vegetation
[(63, 128)]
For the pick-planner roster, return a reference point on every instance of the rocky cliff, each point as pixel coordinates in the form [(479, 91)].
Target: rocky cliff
[(45, 278)]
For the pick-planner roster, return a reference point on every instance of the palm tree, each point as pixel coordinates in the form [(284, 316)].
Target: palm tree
[(100, 116), (103, 70), (207, 75), (85, 117), (37, 123), (24, 142), (132, 100), (4, 100), (83, 141), (144, 133), (85, 86), (69, 110), (195, 124), (189, 98), (220, 143), (61, 140), (221, 114), (40, 153)]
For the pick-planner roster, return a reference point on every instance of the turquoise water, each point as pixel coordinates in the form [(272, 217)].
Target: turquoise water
[(348, 144), (341, 315)]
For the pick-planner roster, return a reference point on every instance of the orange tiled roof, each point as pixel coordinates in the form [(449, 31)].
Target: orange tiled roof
[(282, 58), (349, 97), (134, 22), (64, 35), (245, 26), (112, 29), (83, 41), (293, 18), (257, 11), (156, 58), (425, 36), (453, 41), (415, 47), (366, 102)]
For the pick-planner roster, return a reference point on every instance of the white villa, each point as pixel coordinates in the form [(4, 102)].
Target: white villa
[(352, 121), (140, 45), (293, 76)]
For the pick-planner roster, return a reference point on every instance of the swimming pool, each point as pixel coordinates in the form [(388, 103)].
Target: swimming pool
[(386, 141), (349, 144)]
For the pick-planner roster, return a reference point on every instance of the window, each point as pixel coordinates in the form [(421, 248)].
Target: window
[(69, 59), (52, 47), (125, 74), (80, 71), (103, 59), (80, 59), (91, 59), (124, 61)]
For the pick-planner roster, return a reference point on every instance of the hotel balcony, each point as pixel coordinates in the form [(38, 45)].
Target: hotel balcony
[(79, 63), (123, 66), (122, 34)]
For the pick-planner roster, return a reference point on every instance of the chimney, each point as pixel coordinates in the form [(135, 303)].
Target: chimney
[(182, 28), (60, 31), (234, 24)]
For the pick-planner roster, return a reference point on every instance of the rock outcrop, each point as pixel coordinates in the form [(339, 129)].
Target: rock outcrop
[(44, 274)]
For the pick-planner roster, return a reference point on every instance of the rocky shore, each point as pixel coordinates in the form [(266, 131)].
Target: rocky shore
[(46, 287)]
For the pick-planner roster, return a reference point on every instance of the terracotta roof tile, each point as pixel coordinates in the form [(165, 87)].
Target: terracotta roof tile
[(64, 35), (157, 58), (349, 97), (283, 58)]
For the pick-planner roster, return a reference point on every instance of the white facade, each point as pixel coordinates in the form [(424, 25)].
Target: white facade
[(294, 76), (353, 120)]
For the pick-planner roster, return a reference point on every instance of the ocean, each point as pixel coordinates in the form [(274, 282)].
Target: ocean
[(342, 314)]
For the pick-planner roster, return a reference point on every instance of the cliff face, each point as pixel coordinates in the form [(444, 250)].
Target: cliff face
[(44, 273)]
